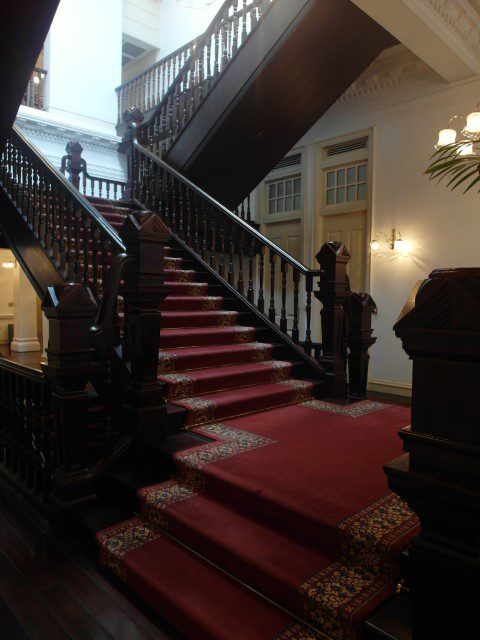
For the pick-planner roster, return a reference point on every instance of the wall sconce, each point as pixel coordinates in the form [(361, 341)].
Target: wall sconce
[(394, 241), (11, 263)]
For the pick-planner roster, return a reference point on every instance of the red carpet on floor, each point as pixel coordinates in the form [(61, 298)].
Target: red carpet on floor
[(288, 497)]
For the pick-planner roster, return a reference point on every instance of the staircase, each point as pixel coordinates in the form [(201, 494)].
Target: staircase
[(261, 75), (185, 414)]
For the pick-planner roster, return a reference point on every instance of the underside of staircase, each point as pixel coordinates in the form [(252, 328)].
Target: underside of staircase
[(299, 59)]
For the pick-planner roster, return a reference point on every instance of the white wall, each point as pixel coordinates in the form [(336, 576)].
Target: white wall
[(442, 226), (83, 59), (6, 296)]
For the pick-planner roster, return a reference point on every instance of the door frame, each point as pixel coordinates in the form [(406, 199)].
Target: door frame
[(322, 211)]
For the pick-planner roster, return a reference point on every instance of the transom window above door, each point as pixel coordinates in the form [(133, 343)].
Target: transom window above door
[(346, 184), (285, 196)]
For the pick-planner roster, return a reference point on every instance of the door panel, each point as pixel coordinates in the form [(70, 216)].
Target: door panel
[(349, 228)]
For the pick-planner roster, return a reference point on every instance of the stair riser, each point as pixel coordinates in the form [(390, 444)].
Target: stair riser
[(192, 362), (195, 340), (220, 320), (196, 387)]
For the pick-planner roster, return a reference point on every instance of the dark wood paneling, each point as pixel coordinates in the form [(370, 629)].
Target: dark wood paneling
[(303, 55)]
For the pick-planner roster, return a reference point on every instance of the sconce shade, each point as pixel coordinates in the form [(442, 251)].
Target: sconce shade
[(9, 264), (374, 245), (473, 122), (398, 244), (446, 136), (466, 149)]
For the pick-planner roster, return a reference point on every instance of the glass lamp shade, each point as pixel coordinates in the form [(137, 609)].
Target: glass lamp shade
[(9, 264), (446, 136), (398, 244), (466, 149), (473, 122), (36, 80), (374, 245)]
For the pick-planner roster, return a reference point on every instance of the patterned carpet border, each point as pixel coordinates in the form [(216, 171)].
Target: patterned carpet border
[(357, 410)]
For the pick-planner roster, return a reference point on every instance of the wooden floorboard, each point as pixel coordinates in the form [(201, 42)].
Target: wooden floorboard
[(53, 590)]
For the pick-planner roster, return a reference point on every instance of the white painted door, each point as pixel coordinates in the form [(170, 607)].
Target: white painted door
[(349, 228)]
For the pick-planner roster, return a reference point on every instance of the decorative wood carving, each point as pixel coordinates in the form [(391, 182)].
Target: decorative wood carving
[(71, 310), (145, 236), (360, 307), (440, 474)]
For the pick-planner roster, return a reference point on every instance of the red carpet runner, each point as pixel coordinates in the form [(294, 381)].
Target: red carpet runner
[(289, 496)]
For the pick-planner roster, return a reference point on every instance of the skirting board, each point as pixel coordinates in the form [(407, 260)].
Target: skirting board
[(393, 388)]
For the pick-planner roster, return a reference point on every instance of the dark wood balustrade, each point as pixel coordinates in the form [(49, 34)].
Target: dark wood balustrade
[(35, 94), (148, 89), (76, 238), (271, 281), (228, 32), (28, 452), (74, 165)]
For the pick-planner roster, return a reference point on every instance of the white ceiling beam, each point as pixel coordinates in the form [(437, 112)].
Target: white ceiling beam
[(445, 34)]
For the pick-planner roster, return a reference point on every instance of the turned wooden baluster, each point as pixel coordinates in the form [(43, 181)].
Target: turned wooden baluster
[(196, 217), (251, 253), (95, 235), (308, 315), (283, 312), (271, 310), (204, 229), (231, 253), (261, 270), (240, 282), (86, 235), (213, 240), (188, 206), (295, 328)]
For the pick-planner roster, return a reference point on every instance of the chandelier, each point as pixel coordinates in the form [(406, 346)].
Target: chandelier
[(195, 4), (457, 154)]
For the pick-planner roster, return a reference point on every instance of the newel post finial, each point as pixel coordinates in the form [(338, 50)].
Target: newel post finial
[(74, 162), (131, 116), (333, 258)]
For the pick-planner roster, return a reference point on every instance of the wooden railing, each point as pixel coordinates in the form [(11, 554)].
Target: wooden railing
[(230, 29), (148, 89), (72, 232), (35, 94), (95, 276), (74, 165), (270, 280), (28, 451)]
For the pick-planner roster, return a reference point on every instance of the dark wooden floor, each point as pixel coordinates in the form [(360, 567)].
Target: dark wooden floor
[(50, 590)]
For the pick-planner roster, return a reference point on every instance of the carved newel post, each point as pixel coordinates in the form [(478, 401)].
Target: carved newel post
[(360, 307), (145, 237), (333, 258), (71, 310), (74, 163), (439, 476), (130, 117)]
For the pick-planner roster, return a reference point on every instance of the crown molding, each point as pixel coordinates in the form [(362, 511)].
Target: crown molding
[(40, 126), (393, 68), (462, 18)]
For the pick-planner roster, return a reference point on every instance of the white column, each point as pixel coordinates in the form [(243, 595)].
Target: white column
[(46, 334), (25, 337)]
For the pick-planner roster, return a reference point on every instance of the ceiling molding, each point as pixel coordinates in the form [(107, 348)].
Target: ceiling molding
[(393, 68), (462, 18), (40, 127)]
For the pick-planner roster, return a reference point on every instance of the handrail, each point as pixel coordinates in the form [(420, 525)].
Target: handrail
[(229, 214), (80, 200), (106, 311)]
